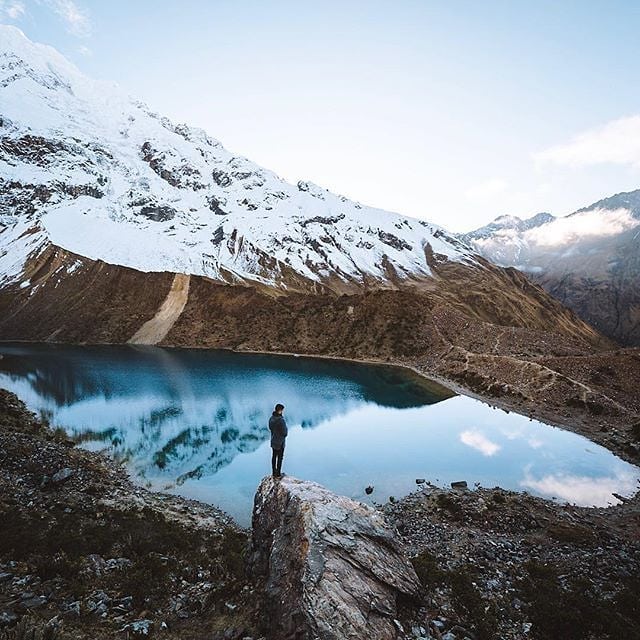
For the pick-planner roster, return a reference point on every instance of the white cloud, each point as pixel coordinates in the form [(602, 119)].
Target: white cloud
[(616, 142), (535, 443), (582, 490), (596, 223), (11, 9), (85, 51), (479, 442), (76, 18), (486, 190)]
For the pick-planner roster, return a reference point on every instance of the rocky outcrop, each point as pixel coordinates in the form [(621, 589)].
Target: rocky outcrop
[(333, 567)]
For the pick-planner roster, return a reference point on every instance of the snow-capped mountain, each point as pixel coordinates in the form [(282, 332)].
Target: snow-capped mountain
[(504, 241), (88, 169), (590, 259), (118, 226)]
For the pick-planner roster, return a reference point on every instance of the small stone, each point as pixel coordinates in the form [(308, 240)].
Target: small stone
[(138, 628), (117, 563), (420, 480), (124, 603), (61, 476), (368, 490), (7, 618), (32, 603), (74, 608), (459, 484)]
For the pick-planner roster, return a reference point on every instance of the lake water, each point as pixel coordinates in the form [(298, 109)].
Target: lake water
[(194, 422)]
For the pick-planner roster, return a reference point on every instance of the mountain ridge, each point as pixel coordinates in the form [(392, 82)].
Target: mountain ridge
[(588, 260), (165, 197)]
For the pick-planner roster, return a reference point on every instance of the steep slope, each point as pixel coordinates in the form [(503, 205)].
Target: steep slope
[(90, 170), (95, 186), (589, 260)]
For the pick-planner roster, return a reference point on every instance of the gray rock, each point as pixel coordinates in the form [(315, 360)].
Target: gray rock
[(139, 628), (31, 603), (7, 618), (125, 603), (61, 476), (117, 563), (460, 484), (333, 567), (73, 608)]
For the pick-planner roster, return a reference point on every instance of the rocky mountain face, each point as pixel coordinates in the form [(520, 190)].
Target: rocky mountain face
[(92, 171), (589, 260), (117, 225), (332, 567)]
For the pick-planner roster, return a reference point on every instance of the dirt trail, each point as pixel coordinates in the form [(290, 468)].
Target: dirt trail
[(155, 330)]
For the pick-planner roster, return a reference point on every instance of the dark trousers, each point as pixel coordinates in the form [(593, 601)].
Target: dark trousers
[(276, 460)]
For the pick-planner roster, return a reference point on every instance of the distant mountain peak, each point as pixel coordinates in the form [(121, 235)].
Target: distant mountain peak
[(588, 259), (629, 200)]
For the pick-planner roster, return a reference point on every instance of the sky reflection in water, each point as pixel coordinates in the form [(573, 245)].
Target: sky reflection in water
[(195, 422)]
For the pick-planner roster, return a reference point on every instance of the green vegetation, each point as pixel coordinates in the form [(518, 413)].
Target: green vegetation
[(160, 551)]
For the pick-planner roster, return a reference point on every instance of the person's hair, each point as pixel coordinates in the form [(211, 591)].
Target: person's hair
[(279, 407)]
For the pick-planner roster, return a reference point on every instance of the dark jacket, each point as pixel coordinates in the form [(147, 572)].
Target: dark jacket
[(278, 428)]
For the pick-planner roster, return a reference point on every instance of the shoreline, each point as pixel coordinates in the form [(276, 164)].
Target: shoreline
[(433, 381)]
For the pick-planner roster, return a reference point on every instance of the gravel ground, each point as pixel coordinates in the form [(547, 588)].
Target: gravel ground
[(499, 564), (88, 553)]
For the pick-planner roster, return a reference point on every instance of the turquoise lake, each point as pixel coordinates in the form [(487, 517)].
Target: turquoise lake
[(194, 422)]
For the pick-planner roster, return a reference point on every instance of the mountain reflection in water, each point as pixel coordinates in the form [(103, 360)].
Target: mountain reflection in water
[(195, 422)]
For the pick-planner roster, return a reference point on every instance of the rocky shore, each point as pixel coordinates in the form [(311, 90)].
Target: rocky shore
[(84, 553), (499, 564)]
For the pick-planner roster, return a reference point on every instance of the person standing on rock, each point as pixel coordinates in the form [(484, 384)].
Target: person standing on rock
[(278, 428)]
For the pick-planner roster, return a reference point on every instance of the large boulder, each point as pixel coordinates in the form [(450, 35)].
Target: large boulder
[(333, 568)]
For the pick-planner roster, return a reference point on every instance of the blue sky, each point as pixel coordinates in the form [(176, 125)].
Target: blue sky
[(451, 111)]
